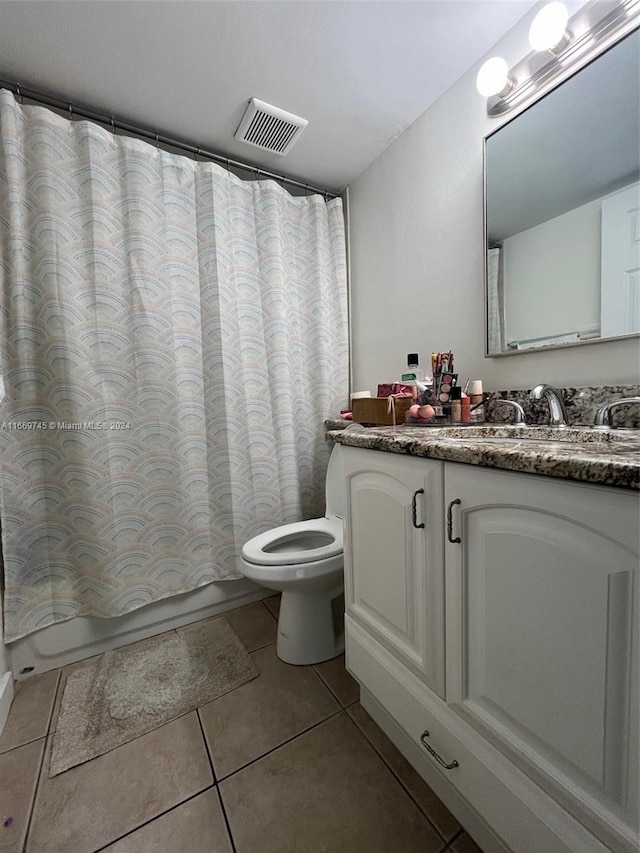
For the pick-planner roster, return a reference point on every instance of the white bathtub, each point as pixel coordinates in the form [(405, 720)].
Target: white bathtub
[(85, 636)]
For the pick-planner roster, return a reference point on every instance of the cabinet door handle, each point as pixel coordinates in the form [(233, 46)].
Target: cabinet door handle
[(450, 522), (414, 509), (431, 751)]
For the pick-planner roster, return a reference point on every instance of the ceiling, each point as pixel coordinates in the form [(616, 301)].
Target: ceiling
[(360, 72)]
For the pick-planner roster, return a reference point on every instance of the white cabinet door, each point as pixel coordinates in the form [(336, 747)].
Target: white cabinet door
[(542, 635), (394, 564)]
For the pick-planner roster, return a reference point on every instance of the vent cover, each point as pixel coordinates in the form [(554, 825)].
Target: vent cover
[(269, 128)]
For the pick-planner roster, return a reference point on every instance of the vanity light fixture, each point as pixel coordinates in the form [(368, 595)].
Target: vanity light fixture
[(558, 43), (493, 78), (549, 28)]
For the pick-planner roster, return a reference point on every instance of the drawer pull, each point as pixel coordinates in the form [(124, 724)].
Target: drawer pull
[(431, 751), (450, 521), (414, 509)]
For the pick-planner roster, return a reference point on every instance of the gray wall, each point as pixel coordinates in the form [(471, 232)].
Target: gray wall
[(417, 255)]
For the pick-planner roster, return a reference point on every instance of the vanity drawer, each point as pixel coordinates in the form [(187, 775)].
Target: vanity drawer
[(518, 812)]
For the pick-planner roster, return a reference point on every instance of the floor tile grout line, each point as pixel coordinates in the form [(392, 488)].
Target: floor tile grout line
[(311, 666), (48, 722), (26, 743), (54, 702), (404, 786), (259, 648), (36, 790), (215, 779), (329, 688), (280, 745), (156, 817), (226, 819), (206, 745), (269, 611), (62, 684)]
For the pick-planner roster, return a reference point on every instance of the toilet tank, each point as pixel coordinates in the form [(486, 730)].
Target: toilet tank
[(335, 484)]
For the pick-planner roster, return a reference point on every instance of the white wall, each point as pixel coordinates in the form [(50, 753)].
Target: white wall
[(417, 255), (567, 249)]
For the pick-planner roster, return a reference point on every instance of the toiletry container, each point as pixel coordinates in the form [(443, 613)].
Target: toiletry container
[(465, 409), (413, 368), (456, 405), (477, 401)]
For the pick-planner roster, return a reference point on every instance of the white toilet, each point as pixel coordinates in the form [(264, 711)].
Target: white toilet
[(305, 562)]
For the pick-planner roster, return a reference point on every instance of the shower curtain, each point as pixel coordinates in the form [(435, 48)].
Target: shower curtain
[(495, 311), (171, 340)]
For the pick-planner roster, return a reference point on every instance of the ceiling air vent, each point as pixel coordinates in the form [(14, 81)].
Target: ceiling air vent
[(269, 127)]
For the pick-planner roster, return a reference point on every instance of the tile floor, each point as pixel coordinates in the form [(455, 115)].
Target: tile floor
[(289, 762)]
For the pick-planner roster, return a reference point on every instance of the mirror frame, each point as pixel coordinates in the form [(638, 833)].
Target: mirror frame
[(590, 58)]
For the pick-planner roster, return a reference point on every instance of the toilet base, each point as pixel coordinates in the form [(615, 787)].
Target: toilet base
[(311, 626)]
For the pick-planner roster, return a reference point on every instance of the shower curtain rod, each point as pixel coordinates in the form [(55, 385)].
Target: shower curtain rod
[(144, 132)]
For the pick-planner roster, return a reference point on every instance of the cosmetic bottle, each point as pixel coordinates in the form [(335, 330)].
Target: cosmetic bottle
[(477, 401), (412, 369), (465, 409), (456, 405)]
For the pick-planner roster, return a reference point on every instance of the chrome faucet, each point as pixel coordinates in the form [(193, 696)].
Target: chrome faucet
[(518, 411), (557, 412), (603, 415)]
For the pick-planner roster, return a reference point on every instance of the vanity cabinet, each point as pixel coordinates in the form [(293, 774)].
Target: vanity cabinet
[(394, 570), (542, 620), (533, 734)]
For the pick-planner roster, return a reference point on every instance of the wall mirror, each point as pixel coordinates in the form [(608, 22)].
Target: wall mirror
[(562, 211)]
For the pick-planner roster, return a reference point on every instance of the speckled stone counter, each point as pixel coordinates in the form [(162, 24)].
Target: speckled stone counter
[(610, 458)]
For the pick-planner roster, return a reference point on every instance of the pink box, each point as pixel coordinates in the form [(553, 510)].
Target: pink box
[(389, 388)]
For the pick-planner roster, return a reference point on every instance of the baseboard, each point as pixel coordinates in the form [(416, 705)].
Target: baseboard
[(6, 697)]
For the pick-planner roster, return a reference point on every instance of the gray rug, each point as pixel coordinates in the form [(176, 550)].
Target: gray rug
[(128, 692)]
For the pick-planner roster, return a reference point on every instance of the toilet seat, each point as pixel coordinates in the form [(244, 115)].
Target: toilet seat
[(293, 544)]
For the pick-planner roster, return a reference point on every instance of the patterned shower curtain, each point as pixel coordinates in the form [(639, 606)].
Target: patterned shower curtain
[(171, 339)]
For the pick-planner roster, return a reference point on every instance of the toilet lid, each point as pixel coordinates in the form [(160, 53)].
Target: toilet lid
[(300, 542)]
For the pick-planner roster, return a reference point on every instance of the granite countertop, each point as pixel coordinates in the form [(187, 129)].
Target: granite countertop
[(610, 458)]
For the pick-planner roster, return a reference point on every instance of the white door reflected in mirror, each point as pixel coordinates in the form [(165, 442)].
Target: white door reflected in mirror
[(620, 311)]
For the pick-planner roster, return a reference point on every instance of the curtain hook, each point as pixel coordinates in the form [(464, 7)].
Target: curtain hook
[(70, 112), (157, 141), (197, 153), (113, 126), (19, 94), (306, 189)]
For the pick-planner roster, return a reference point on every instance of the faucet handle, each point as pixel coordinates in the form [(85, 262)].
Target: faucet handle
[(518, 411), (603, 414)]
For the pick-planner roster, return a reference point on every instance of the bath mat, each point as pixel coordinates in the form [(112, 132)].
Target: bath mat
[(130, 691)]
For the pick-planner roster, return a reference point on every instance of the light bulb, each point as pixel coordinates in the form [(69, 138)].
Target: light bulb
[(549, 27), (493, 77)]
